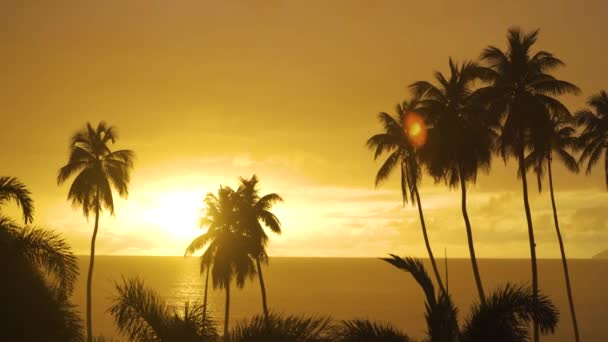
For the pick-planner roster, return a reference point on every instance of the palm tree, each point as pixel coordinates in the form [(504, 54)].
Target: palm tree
[(35, 295), (460, 141), (559, 138), (253, 212), (503, 317), (400, 141), (283, 328), (97, 169), (595, 134), (522, 94), (227, 251), (142, 315), (12, 189)]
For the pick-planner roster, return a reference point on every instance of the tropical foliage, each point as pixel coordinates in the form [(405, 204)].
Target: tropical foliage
[(11, 189)]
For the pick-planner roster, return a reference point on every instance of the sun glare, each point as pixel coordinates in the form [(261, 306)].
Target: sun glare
[(177, 213), (415, 129)]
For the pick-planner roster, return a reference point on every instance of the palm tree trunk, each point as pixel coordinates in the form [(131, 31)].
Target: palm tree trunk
[(263, 288), (426, 239), (90, 275), (227, 315), (563, 252), (467, 222), (205, 298), (524, 183)]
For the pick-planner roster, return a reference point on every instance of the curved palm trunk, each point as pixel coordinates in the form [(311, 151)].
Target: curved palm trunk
[(90, 277), (426, 239), (467, 222), (563, 252), (205, 298), (263, 289), (227, 314), (524, 183)]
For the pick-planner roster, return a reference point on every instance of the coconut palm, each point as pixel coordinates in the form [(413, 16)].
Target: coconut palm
[(522, 94), (400, 141), (141, 315), (595, 133), (503, 317), (254, 211), (460, 141), (559, 140), (35, 295), (11, 189), (228, 250), (97, 169), (283, 328)]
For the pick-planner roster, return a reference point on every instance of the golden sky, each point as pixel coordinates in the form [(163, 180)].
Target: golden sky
[(206, 91)]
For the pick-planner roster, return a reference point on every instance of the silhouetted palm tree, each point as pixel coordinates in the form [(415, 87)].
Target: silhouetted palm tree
[(503, 317), (521, 93), (97, 169), (12, 189), (559, 138), (41, 272), (142, 315), (595, 134), (460, 141), (228, 250), (359, 330), (398, 143), (253, 212)]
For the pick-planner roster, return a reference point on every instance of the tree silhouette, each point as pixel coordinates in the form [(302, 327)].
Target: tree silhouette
[(521, 94), (396, 140), (228, 251), (97, 169), (41, 271), (142, 315), (503, 317), (11, 189), (460, 140), (594, 137), (253, 212), (559, 138)]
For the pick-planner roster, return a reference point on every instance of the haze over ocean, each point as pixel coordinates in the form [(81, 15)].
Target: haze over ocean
[(350, 288)]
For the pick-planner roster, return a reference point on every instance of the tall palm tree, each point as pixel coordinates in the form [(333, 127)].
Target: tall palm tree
[(254, 210), (11, 188), (96, 169), (595, 134), (42, 272), (400, 141), (522, 94), (460, 142), (559, 139), (228, 250)]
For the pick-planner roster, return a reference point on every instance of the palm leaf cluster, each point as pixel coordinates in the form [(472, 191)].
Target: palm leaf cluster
[(503, 317), (35, 295)]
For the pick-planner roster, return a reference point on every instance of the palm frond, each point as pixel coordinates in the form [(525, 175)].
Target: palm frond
[(11, 189)]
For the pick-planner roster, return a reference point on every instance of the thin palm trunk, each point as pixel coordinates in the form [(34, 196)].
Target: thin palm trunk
[(263, 289), (467, 222), (227, 315), (524, 183), (563, 252), (90, 275), (426, 239), (205, 297)]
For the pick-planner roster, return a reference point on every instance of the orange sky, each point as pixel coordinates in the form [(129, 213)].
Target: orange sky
[(206, 91)]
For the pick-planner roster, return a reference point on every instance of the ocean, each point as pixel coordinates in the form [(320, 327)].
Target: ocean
[(347, 288)]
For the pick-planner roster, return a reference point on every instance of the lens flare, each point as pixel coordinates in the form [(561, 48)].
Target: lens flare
[(415, 129)]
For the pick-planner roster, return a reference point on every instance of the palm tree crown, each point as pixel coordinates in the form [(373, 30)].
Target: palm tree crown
[(97, 169), (12, 189), (595, 134)]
